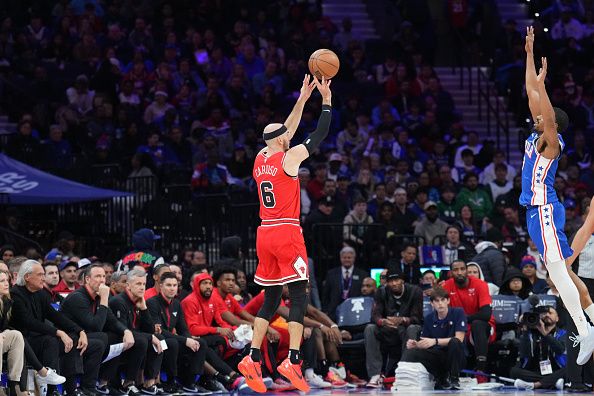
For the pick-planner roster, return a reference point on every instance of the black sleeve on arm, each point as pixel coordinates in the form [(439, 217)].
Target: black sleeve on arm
[(312, 142), (484, 313), (79, 310)]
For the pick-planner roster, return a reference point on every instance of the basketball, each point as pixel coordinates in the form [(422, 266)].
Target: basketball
[(323, 63)]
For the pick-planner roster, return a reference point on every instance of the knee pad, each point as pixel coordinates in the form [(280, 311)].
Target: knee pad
[(298, 296), (272, 297)]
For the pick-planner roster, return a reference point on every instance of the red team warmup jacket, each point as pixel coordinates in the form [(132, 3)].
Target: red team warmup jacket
[(200, 312)]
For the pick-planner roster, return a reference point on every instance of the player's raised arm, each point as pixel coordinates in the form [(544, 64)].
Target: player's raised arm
[(531, 85), (550, 134), (294, 118), (299, 153)]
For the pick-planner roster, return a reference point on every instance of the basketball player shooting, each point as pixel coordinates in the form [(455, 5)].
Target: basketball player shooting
[(545, 215), (282, 258)]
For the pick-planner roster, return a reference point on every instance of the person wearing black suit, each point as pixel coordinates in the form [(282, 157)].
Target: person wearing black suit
[(184, 350), (130, 308), (88, 308), (408, 265), (56, 340), (342, 282)]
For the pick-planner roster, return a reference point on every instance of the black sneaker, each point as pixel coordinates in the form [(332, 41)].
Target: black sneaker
[(577, 388), (172, 388), (108, 390), (131, 390), (212, 385), (455, 383), (443, 384), (150, 390), (78, 392)]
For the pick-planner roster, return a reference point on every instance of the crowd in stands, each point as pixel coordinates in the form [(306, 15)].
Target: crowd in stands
[(164, 90)]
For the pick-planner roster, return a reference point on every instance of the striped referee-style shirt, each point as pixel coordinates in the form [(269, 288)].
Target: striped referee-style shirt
[(586, 268)]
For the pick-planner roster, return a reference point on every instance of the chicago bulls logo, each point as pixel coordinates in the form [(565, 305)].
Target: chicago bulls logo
[(300, 267)]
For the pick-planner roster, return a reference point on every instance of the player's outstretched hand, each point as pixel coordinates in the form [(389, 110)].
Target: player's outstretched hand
[(324, 87), (542, 73), (529, 47), (307, 88)]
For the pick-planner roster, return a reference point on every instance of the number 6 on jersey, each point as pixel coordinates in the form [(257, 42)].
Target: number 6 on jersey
[(267, 194)]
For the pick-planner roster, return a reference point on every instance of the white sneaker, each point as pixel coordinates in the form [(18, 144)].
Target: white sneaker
[(267, 382), (586, 344), (560, 384), (339, 371), (52, 378), (523, 384), (375, 382), (316, 381)]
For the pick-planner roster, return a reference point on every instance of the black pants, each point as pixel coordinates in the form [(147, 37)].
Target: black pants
[(393, 342), (92, 359), (179, 355), (547, 381), (439, 361), (215, 344), (480, 331), (140, 355)]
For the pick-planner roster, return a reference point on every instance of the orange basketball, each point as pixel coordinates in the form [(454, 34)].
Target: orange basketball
[(323, 63)]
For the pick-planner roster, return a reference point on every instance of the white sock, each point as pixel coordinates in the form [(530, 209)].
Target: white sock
[(590, 312), (569, 294)]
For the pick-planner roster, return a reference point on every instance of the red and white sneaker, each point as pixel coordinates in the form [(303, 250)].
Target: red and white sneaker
[(353, 379), (335, 380), (280, 385), (252, 371), (293, 373)]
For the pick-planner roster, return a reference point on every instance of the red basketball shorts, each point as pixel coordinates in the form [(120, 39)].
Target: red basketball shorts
[(282, 257)]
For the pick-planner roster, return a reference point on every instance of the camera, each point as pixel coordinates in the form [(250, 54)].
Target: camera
[(530, 319)]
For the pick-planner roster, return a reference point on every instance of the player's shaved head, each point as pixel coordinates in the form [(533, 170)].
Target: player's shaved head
[(272, 127)]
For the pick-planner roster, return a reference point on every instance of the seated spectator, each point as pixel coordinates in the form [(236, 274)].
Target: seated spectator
[(516, 284), (23, 146), (472, 295), (131, 311), (489, 174), (441, 346), (475, 197), (88, 308), (243, 293), (57, 151), (52, 278), (157, 109), (528, 267), (13, 343), (183, 351), (455, 248), (428, 282), (473, 269), (368, 287), (354, 230), (500, 184), (408, 264), (342, 282), (68, 276), (472, 144), (231, 254), (567, 27), (468, 225), (59, 341), (491, 261), (468, 166), (156, 289), (351, 140), (546, 342), (108, 268), (118, 282), (396, 318), (153, 147), (210, 176), (431, 226)]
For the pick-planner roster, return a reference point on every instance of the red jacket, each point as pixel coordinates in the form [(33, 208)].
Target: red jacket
[(152, 292), (200, 312), (63, 289)]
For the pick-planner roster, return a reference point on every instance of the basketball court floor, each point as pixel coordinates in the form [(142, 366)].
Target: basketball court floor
[(404, 392)]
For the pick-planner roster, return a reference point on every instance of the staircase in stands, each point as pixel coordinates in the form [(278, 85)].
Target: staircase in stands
[(337, 10), (450, 81)]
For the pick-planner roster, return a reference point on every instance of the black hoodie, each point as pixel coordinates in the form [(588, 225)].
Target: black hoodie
[(526, 285)]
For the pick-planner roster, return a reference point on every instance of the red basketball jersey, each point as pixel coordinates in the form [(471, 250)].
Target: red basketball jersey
[(280, 194)]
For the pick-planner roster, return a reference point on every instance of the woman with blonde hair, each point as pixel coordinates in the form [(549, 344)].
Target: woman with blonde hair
[(11, 341)]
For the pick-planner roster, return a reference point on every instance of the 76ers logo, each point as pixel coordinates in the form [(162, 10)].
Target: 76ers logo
[(300, 267)]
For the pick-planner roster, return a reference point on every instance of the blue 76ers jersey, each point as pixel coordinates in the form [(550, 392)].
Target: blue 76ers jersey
[(538, 174)]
